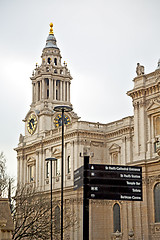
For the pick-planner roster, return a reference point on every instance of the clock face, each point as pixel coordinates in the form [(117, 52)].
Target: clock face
[(32, 124), (58, 120)]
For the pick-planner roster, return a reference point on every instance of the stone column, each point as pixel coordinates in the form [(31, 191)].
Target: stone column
[(67, 91), (142, 129), (40, 89), (54, 89), (43, 88), (18, 170), (69, 84), (72, 159), (50, 89), (33, 91), (123, 158), (130, 215), (137, 212), (136, 128), (25, 169), (64, 91), (42, 159), (129, 149), (41, 170), (61, 94), (37, 169)]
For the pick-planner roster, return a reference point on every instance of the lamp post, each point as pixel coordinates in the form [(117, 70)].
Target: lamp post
[(51, 160), (62, 109)]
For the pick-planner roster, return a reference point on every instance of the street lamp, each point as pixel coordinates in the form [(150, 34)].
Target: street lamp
[(51, 160), (62, 109)]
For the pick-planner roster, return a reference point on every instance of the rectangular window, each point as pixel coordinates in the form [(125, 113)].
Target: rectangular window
[(58, 167), (68, 164), (47, 170), (31, 173)]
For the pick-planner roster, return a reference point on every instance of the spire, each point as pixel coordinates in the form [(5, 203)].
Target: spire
[(51, 41), (51, 29)]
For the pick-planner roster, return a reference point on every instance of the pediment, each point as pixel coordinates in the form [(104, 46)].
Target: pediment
[(31, 160), (154, 107), (114, 148), (56, 151)]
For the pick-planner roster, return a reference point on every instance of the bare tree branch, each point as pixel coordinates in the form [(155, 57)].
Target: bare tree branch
[(32, 215)]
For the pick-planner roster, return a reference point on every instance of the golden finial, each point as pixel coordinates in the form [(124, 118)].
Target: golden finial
[(51, 28)]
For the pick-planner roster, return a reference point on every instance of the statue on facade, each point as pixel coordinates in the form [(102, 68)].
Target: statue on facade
[(21, 138), (139, 69)]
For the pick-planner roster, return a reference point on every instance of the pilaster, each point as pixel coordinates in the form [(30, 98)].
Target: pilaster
[(136, 129), (54, 89)]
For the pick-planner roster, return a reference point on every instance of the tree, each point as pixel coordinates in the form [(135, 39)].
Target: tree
[(31, 215), (3, 175)]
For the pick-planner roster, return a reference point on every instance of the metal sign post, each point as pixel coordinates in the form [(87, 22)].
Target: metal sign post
[(85, 203), (111, 182)]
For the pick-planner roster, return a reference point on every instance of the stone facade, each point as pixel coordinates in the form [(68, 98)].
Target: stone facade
[(6, 222), (133, 140)]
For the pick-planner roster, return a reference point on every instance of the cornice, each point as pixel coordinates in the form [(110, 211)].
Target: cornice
[(144, 91), (54, 137), (120, 132)]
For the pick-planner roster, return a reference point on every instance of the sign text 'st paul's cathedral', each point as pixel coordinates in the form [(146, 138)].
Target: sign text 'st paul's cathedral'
[(133, 141)]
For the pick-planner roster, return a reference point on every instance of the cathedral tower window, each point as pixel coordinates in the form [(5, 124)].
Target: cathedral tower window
[(47, 87), (57, 90), (55, 61), (49, 60), (116, 218), (157, 202)]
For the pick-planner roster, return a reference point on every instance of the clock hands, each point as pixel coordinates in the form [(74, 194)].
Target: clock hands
[(32, 123)]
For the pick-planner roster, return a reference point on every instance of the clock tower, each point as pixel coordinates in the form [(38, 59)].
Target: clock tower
[(50, 87)]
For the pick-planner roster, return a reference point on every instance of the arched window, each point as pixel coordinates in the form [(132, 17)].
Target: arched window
[(55, 61), (116, 218), (49, 60), (157, 202), (57, 219)]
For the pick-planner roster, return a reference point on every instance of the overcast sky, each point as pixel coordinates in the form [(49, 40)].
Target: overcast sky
[(101, 41)]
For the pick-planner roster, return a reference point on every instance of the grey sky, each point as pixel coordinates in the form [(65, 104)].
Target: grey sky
[(101, 41)]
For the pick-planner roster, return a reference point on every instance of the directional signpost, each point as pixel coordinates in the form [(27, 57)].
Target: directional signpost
[(112, 182), (78, 177), (115, 182)]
